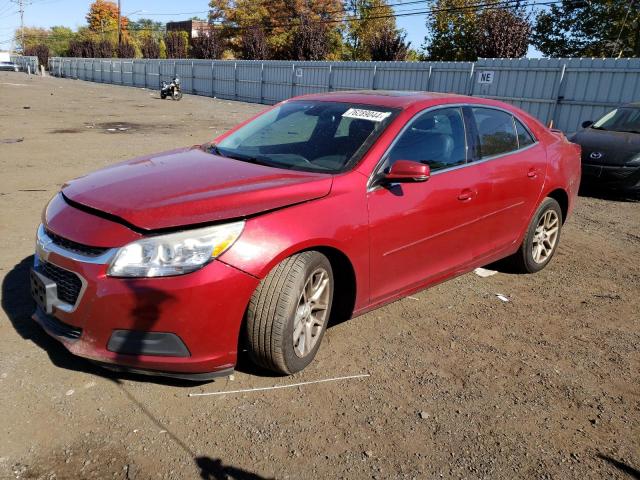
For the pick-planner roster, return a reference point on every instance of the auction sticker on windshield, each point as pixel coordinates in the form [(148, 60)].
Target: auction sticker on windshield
[(362, 114)]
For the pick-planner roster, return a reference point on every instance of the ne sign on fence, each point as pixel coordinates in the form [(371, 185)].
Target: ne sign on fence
[(562, 92)]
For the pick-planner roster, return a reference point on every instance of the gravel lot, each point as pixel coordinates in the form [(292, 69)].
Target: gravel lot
[(462, 385)]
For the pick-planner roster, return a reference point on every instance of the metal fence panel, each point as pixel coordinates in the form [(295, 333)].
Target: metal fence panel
[(562, 92), (26, 64)]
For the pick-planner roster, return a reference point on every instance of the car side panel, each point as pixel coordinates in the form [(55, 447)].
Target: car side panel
[(338, 221)]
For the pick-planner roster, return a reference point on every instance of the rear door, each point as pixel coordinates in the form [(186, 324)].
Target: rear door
[(517, 165)]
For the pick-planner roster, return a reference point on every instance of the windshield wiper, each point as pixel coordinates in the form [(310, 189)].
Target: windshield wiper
[(213, 149)]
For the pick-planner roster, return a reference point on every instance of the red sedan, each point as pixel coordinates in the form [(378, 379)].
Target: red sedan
[(324, 206)]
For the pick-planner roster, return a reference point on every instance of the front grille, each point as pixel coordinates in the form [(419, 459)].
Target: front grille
[(68, 283), (75, 246)]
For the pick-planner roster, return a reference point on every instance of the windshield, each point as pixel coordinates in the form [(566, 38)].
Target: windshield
[(625, 119), (307, 135)]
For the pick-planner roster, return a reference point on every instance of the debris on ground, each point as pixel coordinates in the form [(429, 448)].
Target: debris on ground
[(484, 272)]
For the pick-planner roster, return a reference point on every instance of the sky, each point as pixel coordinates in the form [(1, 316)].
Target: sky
[(71, 13)]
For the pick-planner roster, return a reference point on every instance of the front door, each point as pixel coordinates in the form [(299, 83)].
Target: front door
[(423, 232)]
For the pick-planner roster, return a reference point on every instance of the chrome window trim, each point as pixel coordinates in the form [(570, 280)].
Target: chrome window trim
[(383, 157)]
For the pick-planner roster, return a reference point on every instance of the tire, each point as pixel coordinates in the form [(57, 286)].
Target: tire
[(548, 218), (177, 95), (284, 325), (163, 95)]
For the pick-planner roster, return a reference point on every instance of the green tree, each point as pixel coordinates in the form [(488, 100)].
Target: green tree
[(594, 28), (452, 30), (368, 21)]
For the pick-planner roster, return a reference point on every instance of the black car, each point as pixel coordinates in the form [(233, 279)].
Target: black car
[(9, 67), (611, 150)]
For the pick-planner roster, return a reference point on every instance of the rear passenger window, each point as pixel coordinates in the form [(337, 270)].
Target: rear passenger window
[(436, 138), (524, 137), (496, 131)]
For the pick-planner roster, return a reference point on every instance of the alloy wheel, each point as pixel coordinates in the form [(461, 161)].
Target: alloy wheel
[(311, 312), (545, 236)]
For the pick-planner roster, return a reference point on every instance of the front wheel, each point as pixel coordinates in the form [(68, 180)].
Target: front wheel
[(288, 313), (542, 238), (177, 94)]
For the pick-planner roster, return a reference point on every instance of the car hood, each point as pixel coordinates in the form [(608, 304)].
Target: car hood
[(189, 186), (615, 148)]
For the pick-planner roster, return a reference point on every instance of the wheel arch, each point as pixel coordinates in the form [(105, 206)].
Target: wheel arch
[(344, 274), (560, 196)]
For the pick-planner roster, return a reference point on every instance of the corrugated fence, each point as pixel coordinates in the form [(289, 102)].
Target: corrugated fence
[(563, 92), (26, 64)]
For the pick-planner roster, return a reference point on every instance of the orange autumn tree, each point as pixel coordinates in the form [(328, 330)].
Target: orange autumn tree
[(103, 20)]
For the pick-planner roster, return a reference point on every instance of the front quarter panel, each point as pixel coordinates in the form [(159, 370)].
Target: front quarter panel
[(337, 221)]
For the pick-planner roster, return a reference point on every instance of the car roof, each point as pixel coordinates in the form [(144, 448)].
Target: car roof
[(386, 98)]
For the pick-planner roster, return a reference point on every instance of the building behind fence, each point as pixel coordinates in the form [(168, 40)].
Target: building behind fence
[(561, 92)]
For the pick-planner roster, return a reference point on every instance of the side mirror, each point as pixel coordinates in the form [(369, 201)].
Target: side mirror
[(408, 171), (587, 124)]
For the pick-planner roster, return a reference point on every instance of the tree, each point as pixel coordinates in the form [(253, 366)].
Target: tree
[(502, 34), (460, 30), (366, 20), (389, 45), (595, 28), (58, 40), (144, 27), (244, 22), (310, 40), (253, 43), (162, 47), (207, 44), (41, 51), (177, 44), (104, 49), (102, 19), (126, 49), (83, 47), (150, 47), (452, 30)]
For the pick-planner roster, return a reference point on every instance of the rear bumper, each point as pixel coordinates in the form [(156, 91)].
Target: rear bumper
[(612, 177), (185, 326)]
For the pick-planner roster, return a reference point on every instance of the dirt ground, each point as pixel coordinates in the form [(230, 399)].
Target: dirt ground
[(462, 384)]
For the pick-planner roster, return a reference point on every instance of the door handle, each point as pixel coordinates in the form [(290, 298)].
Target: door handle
[(466, 195), (532, 173)]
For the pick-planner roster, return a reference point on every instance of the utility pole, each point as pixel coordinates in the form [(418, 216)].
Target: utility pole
[(119, 29), (21, 10)]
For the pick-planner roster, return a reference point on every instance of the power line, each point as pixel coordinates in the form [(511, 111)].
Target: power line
[(496, 5)]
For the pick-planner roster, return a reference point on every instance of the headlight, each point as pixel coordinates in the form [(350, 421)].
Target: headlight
[(175, 253), (634, 161)]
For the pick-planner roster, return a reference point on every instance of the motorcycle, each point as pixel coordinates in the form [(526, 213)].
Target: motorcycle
[(171, 89)]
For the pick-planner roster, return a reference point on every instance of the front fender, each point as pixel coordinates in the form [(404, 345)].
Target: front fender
[(338, 221)]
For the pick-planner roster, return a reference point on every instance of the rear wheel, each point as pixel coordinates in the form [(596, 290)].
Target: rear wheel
[(287, 315), (542, 238)]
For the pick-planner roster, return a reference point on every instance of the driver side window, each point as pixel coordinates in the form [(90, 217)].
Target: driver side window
[(436, 138)]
